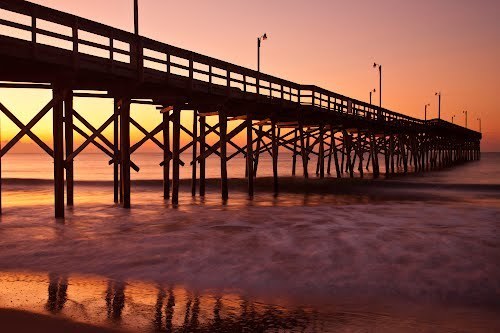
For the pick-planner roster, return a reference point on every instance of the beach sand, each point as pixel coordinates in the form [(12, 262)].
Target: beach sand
[(23, 321)]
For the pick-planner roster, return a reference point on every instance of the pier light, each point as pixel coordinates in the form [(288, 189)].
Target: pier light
[(465, 112), (375, 65), (479, 120), (438, 94), (259, 41), (372, 91), (452, 117), (136, 17), (425, 110)]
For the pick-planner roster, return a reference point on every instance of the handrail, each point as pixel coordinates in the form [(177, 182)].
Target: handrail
[(143, 54)]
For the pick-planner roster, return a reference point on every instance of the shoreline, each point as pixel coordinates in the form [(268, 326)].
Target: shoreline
[(24, 321)]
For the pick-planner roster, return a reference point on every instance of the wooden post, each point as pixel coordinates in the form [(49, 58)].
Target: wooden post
[(321, 156), (166, 154), (373, 144), (330, 153), (303, 150), (391, 150), (294, 156), (176, 137), (257, 152), (335, 157), (275, 155), (68, 127), (360, 153), (195, 145), (125, 150), (223, 154), (116, 152), (58, 127), (202, 154), (250, 155), (386, 155)]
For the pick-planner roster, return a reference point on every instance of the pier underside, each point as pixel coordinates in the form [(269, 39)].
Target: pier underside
[(343, 136)]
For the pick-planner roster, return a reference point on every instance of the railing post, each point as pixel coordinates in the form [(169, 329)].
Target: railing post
[(191, 71), (33, 33), (74, 30)]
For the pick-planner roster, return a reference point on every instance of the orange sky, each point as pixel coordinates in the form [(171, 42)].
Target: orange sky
[(424, 46)]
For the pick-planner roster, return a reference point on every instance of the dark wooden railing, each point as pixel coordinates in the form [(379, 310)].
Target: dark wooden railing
[(41, 25)]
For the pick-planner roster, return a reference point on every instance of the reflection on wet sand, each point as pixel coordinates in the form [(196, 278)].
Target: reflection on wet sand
[(175, 309), (58, 286), (115, 299), (138, 306)]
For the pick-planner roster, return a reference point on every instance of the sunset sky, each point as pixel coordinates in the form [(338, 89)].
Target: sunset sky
[(452, 46)]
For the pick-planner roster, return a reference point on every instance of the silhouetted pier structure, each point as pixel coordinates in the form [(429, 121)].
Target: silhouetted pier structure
[(75, 57)]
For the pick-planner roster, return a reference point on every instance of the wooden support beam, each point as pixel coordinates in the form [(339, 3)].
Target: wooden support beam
[(166, 154), (223, 154), (257, 151), (321, 157), (249, 156), (202, 153), (330, 153), (275, 156), (125, 150), (195, 139), (335, 157), (360, 154), (116, 153), (176, 119), (58, 127), (94, 135), (294, 155), (68, 127), (303, 150), (26, 129)]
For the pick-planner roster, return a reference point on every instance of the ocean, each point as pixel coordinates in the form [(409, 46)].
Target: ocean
[(415, 253)]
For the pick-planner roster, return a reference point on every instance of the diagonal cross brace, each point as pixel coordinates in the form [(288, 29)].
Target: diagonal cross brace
[(91, 138), (102, 148), (229, 136), (26, 129)]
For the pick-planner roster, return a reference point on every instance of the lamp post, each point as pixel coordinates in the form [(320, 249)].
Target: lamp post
[(465, 112), (136, 17), (452, 117), (479, 119), (438, 94), (375, 65), (425, 111), (259, 40), (372, 91)]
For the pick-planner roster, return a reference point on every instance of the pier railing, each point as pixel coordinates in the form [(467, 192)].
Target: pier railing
[(127, 54)]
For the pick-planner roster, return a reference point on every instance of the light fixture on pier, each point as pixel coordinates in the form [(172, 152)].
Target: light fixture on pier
[(479, 119), (438, 94), (372, 91), (425, 110), (465, 112), (375, 65), (452, 117), (259, 41)]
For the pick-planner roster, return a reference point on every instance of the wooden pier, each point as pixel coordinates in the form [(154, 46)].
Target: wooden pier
[(341, 133)]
